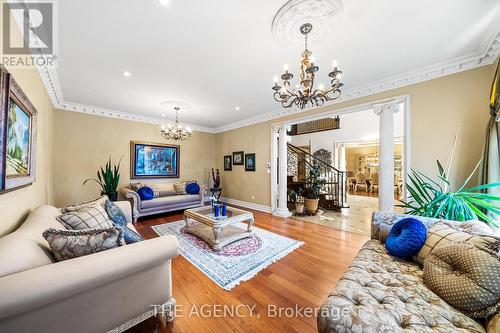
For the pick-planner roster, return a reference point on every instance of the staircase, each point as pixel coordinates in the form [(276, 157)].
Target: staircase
[(334, 194)]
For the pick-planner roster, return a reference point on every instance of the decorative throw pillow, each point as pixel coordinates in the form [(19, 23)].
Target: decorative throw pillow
[(166, 189), (73, 208), (442, 234), (88, 217), (135, 186), (120, 221), (466, 277), (406, 238), (146, 193), (193, 188), (180, 188), (68, 244), (156, 190)]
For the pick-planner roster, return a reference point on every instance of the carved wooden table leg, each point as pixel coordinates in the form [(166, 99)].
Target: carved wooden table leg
[(217, 238)]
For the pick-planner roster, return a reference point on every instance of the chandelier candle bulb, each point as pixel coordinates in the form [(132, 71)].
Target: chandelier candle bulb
[(335, 64)]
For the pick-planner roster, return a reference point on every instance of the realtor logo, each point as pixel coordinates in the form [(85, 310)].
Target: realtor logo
[(28, 31)]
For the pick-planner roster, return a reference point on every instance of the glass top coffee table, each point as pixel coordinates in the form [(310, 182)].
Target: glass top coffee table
[(218, 231)]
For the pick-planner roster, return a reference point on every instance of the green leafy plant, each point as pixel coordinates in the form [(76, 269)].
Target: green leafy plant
[(296, 196), (431, 199), (108, 179), (314, 182)]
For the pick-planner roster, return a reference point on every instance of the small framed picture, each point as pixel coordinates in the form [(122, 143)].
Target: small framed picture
[(250, 162), (238, 157), (228, 165)]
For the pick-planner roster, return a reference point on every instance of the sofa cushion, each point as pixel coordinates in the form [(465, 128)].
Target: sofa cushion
[(69, 244), (146, 193), (465, 276), (166, 189), (26, 248), (442, 234), (73, 208), (193, 188), (406, 238), (120, 221), (89, 217), (180, 188), (172, 200), (382, 293)]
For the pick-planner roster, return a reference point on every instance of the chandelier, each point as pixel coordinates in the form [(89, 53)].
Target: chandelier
[(175, 132), (304, 92)]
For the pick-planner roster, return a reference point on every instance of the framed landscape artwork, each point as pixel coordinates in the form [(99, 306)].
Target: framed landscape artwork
[(250, 162), (238, 157), (228, 166), (153, 160), (17, 135)]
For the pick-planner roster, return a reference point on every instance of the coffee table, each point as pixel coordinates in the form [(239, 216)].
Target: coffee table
[(218, 232)]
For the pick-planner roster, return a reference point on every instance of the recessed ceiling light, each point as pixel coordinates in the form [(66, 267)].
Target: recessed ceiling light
[(126, 73), (237, 108), (163, 2)]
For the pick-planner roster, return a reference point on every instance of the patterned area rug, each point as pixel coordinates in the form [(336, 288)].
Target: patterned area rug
[(236, 262)]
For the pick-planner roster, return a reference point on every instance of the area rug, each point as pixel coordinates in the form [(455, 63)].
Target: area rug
[(236, 262)]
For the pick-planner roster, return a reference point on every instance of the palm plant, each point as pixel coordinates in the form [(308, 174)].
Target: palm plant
[(431, 199), (108, 179)]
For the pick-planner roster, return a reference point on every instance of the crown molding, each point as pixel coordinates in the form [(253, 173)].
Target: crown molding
[(487, 54)]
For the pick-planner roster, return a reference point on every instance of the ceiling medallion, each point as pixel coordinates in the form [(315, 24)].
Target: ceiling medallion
[(324, 15), (175, 132), (305, 92)]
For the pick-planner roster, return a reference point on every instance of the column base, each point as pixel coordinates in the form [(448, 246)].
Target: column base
[(282, 212)]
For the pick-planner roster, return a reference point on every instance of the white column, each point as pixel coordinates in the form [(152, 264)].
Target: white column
[(386, 156), (342, 161), (282, 209)]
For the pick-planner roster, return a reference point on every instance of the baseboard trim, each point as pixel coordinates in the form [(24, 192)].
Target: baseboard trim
[(246, 204)]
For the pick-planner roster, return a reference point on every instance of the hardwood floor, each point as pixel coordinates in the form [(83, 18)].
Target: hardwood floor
[(303, 278)]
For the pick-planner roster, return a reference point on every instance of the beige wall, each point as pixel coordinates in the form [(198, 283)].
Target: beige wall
[(15, 205), (84, 142), (439, 106)]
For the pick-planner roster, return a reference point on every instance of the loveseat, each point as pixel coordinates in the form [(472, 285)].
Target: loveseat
[(111, 290), (380, 293), (167, 201)]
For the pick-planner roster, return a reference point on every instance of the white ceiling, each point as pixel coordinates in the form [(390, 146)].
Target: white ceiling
[(219, 54)]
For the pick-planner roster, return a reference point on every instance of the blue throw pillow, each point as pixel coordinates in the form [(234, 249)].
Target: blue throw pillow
[(193, 188), (406, 238), (146, 193), (120, 221)]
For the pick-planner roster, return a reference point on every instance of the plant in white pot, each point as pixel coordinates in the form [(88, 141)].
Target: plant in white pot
[(297, 199), (314, 185)]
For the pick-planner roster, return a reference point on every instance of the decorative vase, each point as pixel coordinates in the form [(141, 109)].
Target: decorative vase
[(112, 196), (299, 207), (311, 205)]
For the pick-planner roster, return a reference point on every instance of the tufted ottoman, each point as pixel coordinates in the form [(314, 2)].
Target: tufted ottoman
[(380, 293)]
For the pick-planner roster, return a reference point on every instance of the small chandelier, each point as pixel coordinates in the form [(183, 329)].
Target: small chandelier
[(175, 132), (304, 92)]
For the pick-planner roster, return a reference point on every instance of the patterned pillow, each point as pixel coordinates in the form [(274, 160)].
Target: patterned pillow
[(88, 217), (120, 221), (466, 277), (156, 190), (442, 234), (68, 244), (73, 208), (180, 188), (135, 186)]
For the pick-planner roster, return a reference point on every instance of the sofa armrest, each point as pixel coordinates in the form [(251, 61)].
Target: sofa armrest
[(42, 286), (126, 209), (134, 198), (203, 189)]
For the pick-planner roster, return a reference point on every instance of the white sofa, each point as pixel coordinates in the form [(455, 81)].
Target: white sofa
[(108, 291)]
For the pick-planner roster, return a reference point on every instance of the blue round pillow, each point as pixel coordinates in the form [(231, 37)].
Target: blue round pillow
[(146, 193), (193, 188), (406, 238)]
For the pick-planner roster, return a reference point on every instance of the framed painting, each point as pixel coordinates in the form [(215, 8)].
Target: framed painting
[(238, 157), (250, 162), (153, 160), (18, 133), (228, 166)]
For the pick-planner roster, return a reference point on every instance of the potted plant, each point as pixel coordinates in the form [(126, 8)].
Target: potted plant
[(314, 185), (297, 199), (108, 179), (431, 198)]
